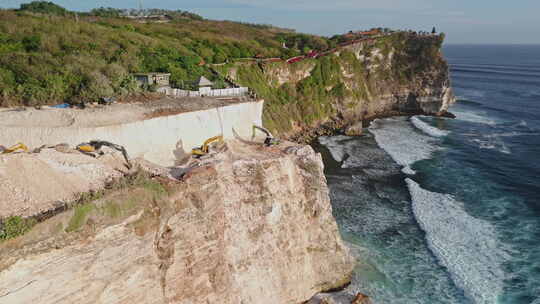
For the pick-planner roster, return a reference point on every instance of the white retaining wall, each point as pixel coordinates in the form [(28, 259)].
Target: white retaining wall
[(158, 139)]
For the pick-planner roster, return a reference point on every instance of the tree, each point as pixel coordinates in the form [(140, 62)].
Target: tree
[(108, 12), (44, 7)]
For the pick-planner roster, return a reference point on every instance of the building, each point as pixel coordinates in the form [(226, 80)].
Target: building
[(151, 79), (205, 86)]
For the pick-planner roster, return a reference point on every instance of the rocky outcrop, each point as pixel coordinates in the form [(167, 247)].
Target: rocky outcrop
[(354, 130), (249, 225), (398, 74)]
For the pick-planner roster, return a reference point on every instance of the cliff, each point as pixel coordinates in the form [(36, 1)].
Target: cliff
[(399, 73), (248, 225)]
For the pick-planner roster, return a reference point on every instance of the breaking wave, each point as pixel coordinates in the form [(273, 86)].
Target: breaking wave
[(335, 146), (466, 246), (402, 142), (493, 142), (426, 128), (473, 117)]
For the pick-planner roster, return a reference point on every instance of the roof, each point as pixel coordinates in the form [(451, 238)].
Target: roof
[(203, 82)]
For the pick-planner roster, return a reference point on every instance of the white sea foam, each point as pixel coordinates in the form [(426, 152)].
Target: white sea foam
[(470, 94), (492, 142), (466, 246), (426, 128), (473, 117), (510, 134), (399, 139), (335, 146), (351, 153)]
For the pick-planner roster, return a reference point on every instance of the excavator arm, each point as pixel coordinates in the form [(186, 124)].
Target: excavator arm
[(269, 140), (96, 145), (204, 149)]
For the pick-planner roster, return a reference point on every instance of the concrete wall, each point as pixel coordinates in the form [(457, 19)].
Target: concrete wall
[(159, 140)]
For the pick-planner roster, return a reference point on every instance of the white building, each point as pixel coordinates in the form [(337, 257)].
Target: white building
[(205, 86)]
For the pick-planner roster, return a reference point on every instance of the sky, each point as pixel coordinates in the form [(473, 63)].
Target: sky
[(463, 21)]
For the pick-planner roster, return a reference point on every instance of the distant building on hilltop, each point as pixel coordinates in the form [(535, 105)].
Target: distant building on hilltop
[(150, 79)]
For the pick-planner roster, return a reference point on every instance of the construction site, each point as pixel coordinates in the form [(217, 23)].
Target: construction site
[(157, 202), (48, 157)]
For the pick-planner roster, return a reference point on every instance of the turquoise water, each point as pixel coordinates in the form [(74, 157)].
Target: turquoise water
[(448, 211)]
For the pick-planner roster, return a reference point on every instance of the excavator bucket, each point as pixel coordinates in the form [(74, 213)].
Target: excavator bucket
[(18, 146)]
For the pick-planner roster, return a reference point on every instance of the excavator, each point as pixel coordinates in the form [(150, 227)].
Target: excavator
[(270, 140), (203, 150), (18, 146), (94, 147)]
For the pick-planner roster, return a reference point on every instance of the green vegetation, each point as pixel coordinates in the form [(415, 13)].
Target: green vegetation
[(44, 7), (15, 226), (139, 189), (302, 44), (49, 55), (79, 217), (106, 12), (120, 199), (339, 82), (309, 100)]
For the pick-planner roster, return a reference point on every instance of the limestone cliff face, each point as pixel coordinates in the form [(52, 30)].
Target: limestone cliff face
[(249, 225), (402, 73)]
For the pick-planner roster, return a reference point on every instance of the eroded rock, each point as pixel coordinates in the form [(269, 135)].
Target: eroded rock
[(253, 226), (354, 130), (361, 299)]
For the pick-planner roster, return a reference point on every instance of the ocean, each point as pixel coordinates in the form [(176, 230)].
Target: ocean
[(444, 210)]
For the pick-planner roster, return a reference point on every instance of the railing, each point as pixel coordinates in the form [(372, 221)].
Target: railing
[(230, 92)]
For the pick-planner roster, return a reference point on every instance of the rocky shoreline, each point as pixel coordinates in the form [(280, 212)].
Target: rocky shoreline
[(340, 126), (380, 178)]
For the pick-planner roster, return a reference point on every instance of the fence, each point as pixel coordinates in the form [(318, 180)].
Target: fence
[(231, 92)]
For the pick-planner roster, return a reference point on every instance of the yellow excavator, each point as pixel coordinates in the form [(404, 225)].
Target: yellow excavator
[(18, 146), (94, 147), (203, 150)]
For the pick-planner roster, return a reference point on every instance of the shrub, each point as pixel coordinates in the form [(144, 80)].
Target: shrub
[(32, 43), (15, 226), (44, 7), (79, 216)]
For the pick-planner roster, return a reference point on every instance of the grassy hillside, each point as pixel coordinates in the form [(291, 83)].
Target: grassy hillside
[(49, 55)]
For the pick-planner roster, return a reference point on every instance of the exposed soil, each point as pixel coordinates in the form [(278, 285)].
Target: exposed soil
[(118, 113)]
